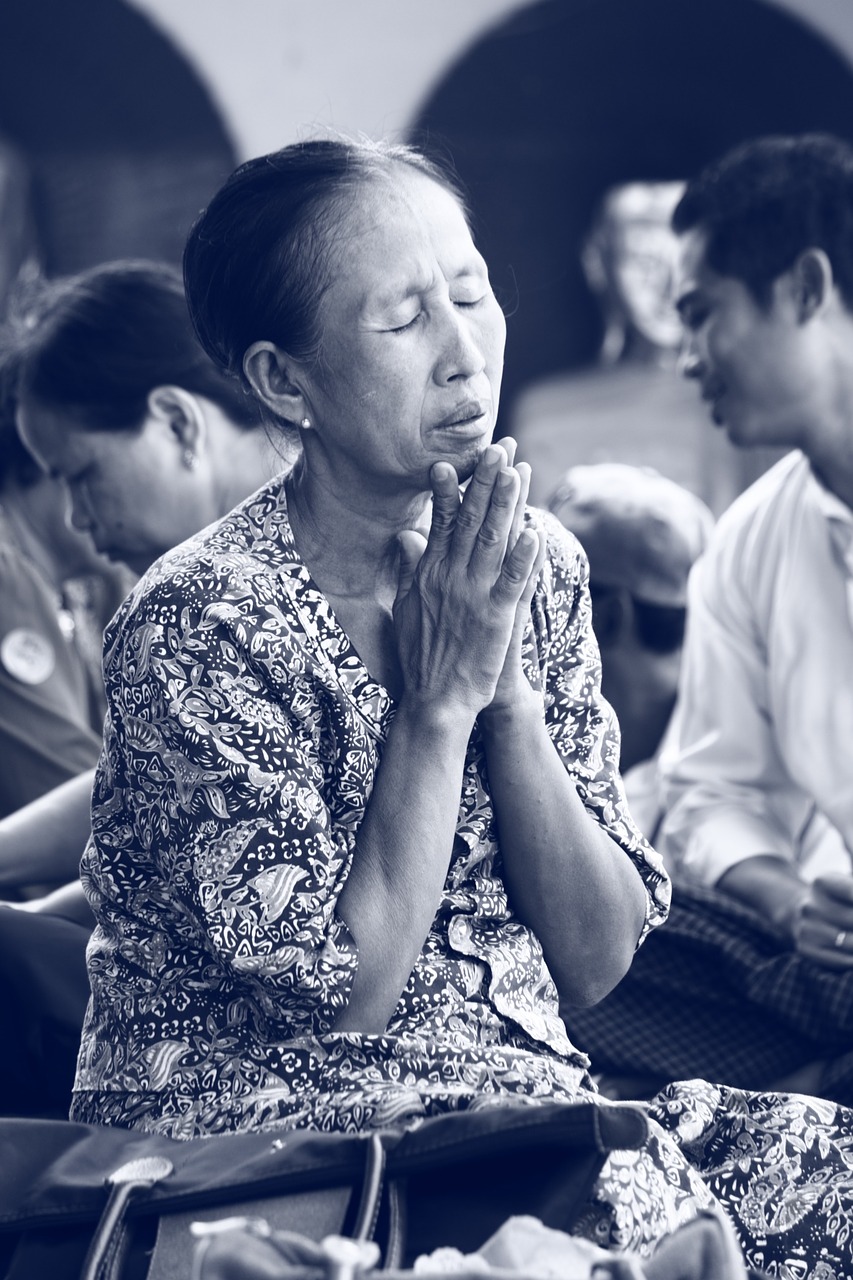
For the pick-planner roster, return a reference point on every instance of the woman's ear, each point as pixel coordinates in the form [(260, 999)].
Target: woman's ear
[(275, 379), (812, 281), (183, 414)]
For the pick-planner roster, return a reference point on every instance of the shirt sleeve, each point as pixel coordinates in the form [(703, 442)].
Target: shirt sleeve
[(215, 744), (723, 782), (580, 721)]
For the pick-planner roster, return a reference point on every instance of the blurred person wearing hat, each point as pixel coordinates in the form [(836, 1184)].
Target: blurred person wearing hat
[(642, 533)]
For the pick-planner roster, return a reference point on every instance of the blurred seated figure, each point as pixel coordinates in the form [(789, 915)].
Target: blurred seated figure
[(751, 978), (56, 594), (151, 443), (642, 534), (631, 406)]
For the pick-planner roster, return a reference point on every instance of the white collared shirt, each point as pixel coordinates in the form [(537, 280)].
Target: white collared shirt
[(759, 755)]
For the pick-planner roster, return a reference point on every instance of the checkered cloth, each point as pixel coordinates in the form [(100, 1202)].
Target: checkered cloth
[(717, 992)]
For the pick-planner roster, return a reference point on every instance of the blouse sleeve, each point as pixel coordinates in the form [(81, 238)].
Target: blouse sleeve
[(580, 721), (216, 749)]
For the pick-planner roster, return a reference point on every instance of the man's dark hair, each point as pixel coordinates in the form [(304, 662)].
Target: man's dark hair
[(767, 201)]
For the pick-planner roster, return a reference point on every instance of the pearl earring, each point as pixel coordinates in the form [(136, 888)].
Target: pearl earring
[(305, 423), (190, 459)]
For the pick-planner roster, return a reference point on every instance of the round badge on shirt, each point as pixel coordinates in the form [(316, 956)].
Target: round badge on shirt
[(27, 656)]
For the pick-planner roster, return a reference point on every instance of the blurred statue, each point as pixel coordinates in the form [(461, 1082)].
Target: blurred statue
[(629, 260), (631, 407)]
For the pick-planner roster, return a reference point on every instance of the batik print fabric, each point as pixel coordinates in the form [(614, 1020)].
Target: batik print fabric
[(242, 742), (782, 1166), (243, 738)]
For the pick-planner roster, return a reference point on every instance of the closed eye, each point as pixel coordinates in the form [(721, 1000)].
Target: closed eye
[(401, 328)]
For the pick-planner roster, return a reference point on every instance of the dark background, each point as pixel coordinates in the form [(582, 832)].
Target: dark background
[(569, 97), (541, 115)]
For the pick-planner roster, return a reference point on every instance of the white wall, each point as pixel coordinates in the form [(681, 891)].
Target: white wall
[(282, 69)]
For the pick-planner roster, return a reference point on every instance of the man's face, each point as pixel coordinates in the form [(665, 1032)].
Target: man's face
[(758, 367)]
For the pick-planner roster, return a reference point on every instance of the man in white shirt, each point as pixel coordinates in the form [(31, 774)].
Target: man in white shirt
[(752, 979), (762, 747)]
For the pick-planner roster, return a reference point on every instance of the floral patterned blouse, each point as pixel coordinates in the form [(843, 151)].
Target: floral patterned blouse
[(242, 741)]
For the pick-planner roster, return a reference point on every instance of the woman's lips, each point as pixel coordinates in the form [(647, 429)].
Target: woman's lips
[(465, 415)]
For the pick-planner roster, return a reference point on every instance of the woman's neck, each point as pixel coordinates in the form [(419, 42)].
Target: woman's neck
[(348, 538), (246, 460)]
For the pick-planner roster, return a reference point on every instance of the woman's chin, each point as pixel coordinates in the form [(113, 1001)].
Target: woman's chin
[(465, 460)]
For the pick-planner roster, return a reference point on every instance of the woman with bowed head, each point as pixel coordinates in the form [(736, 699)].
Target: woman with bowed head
[(114, 396), (358, 825)]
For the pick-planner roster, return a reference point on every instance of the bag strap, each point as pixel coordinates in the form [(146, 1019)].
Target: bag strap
[(109, 1243), (371, 1190)]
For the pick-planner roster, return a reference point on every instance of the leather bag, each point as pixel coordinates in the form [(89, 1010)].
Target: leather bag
[(83, 1202)]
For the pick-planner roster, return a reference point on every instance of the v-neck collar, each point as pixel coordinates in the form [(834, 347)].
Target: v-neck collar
[(367, 695)]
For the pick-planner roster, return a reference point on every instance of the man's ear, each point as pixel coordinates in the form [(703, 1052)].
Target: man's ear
[(183, 414), (276, 379), (812, 282)]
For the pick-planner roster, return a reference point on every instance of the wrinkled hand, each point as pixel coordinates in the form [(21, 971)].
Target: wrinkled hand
[(822, 923), (513, 682), (459, 590)]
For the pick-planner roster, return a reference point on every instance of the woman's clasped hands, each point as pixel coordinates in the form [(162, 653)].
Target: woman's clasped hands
[(464, 592)]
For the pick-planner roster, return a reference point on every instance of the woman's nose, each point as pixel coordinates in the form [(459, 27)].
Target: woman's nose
[(462, 354)]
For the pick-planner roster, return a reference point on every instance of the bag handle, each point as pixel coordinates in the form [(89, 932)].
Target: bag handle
[(105, 1257), (371, 1190), (107, 1251)]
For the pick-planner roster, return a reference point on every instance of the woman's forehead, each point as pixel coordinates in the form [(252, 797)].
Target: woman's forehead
[(401, 227), (47, 432)]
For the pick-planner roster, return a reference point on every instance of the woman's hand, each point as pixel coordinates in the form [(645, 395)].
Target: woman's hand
[(513, 683), (457, 604)]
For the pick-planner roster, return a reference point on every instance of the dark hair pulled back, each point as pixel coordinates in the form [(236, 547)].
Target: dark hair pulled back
[(258, 259), (94, 345)]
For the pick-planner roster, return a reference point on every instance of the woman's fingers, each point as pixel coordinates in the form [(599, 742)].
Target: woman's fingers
[(509, 447), (445, 506), (412, 546), (517, 575), (490, 545), (523, 470), (477, 500)]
